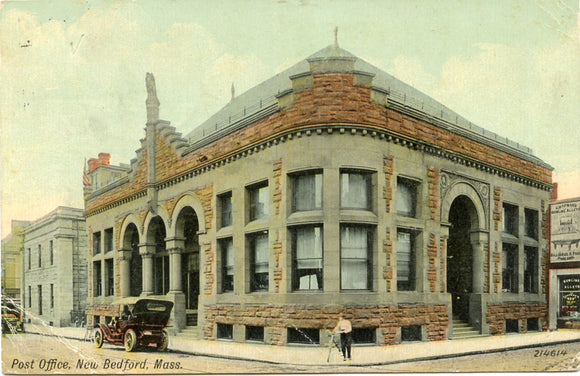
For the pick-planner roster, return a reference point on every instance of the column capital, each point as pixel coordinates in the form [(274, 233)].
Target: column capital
[(175, 250), (124, 254), (146, 249), (479, 236), (174, 242)]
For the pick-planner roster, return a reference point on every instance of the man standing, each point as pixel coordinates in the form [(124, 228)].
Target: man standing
[(344, 327)]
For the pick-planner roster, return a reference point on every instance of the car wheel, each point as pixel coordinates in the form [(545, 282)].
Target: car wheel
[(163, 342), (98, 339), (130, 340)]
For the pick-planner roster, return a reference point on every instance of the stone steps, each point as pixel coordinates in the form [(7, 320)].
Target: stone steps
[(462, 330)]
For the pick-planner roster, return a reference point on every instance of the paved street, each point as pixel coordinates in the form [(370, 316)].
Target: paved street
[(34, 354)]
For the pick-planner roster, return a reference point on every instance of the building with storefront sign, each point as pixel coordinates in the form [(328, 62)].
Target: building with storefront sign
[(330, 187), (565, 264)]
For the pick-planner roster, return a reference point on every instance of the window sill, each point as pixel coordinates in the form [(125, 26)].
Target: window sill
[(350, 215), (313, 216)]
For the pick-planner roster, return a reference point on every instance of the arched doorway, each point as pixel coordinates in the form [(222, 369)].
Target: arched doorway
[(131, 242), (463, 220), (156, 235), (187, 227)]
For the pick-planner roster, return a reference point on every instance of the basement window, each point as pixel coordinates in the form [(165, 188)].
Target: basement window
[(303, 336), (411, 333), (255, 333), (225, 331), (364, 336), (533, 324), (512, 326)]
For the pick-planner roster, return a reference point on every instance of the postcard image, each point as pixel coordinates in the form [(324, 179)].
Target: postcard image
[(291, 186)]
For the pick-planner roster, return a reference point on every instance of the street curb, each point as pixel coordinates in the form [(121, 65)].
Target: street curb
[(401, 361)]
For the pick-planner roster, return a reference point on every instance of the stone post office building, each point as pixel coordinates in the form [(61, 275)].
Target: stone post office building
[(330, 187)]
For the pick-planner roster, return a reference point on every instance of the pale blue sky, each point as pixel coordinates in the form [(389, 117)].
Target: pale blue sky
[(73, 73)]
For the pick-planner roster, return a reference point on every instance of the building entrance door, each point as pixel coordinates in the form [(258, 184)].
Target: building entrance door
[(460, 257)]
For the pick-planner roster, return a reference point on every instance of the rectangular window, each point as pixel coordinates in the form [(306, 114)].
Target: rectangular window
[(227, 248), (29, 296), (569, 295), (225, 331), (405, 260), (108, 240), (225, 210), (406, 197), (259, 196), (255, 333), (411, 333), (97, 281), (161, 280), (96, 243), (39, 256), (510, 219), (509, 268), (305, 336), (307, 258), (355, 257), (531, 269), (512, 326), (40, 299), (531, 223), (533, 325), (109, 277), (51, 295), (51, 253), (355, 190), (29, 259), (364, 335), (260, 262), (307, 191)]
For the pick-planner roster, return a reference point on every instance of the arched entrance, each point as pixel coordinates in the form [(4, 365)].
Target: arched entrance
[(156, 235), (187, 228), (463, 220), (131, 242)]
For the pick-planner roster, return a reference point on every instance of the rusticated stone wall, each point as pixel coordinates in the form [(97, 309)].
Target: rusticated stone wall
[(497, 314), (278, 318)]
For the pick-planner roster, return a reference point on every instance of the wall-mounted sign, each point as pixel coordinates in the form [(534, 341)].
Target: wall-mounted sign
[(565, 239)]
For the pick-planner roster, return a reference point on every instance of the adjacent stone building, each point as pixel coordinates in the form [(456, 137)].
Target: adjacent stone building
[(12, 253), (55, 268), (330, 187)]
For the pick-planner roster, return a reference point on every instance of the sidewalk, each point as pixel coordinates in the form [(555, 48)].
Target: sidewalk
[(362, 355)]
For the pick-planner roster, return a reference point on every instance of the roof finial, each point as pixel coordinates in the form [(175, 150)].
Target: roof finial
[(336, 37), (233, 91)]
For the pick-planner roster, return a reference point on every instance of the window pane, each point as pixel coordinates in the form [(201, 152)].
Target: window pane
[(354, 242), (228, 265), (355, 257), (307, 192), (226, 210), (406, 197), (353, 274), (405, 261), (510, 219), (259, 203), (261, 260), (354, 190), (308, 258), (531, 270), (509, 268)]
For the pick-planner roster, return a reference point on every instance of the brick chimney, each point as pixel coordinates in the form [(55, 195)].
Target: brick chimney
[(103, 160)]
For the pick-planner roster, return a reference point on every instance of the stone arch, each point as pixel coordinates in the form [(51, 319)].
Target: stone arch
[(128, 220), (479, 220), (161, 213), (188, 200)]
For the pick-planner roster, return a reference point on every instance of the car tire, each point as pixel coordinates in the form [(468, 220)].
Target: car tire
[(98, 338), (130, 340), (163, 342)]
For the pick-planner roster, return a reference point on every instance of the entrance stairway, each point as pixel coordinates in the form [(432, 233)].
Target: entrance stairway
[(189, 332), (462, 330)]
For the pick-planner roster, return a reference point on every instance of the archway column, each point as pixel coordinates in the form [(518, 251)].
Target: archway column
[(174, 246), (124, 256), (479, 239), (146, 251)]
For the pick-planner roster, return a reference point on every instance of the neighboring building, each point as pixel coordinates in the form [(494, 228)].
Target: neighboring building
[(330, 186), (565, 264), (12, 252), (55, 268)]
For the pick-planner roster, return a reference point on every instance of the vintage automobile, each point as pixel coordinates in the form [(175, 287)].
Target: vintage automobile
[(11, 315), (142, 322)]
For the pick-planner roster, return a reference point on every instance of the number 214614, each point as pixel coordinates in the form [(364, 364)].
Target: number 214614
[(538, 353)]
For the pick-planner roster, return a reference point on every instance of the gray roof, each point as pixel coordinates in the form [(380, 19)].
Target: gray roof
[(257, 100)]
